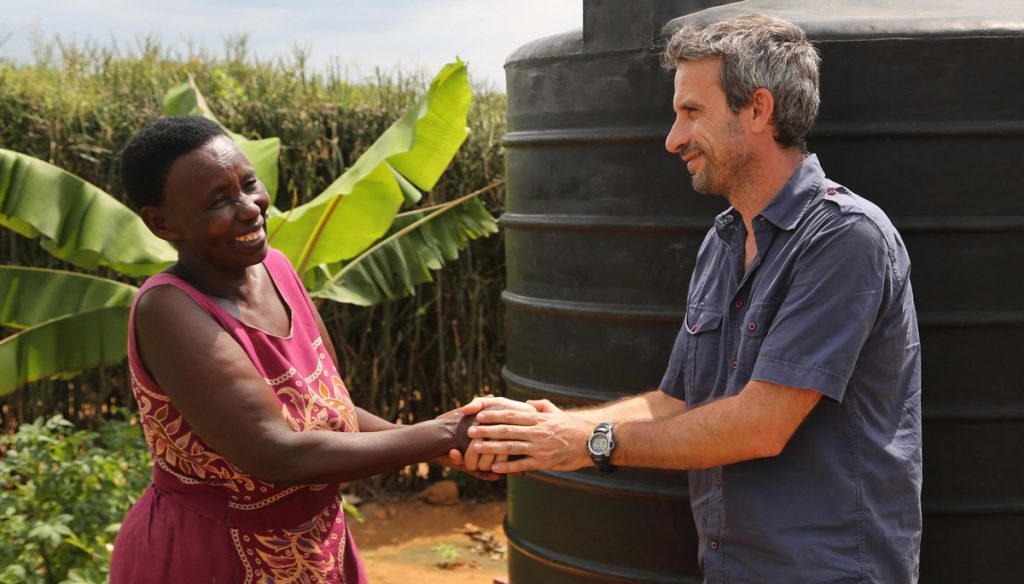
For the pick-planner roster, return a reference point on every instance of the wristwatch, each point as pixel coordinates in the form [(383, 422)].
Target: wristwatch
[(601, 444)]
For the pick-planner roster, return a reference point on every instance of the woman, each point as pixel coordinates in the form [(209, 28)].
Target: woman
[(248, 422)]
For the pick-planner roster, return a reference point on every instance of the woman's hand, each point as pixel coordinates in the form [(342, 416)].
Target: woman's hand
[(454, 459)]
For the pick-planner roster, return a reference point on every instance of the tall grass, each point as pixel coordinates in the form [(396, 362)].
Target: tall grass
[(76, 105)]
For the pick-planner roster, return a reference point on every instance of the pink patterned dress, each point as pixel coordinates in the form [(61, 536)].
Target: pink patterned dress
[(203, 519)]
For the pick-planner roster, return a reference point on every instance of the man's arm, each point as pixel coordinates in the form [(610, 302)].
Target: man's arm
[(646, 406), (653, 405), (756, 423)]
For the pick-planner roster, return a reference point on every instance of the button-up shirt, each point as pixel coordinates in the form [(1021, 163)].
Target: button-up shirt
[(825, 305)]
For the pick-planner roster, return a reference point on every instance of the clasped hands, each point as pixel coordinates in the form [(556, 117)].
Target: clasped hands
[(511, 437)]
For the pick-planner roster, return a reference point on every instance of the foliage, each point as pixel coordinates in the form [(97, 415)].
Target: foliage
[(63, 493), (448, 554), (74, 220), (49, 308), (76, 104), (80, 223)]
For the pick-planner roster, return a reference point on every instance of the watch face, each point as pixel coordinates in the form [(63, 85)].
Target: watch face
[(598, 443)]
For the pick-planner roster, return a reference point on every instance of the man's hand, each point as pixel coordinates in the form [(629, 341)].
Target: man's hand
[(486, 402), (455, 460), (552, 439), (473, 460)]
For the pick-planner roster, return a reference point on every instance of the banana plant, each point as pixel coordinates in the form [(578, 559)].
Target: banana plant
[(350, 243)]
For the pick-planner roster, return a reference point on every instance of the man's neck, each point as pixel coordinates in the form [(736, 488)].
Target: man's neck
[(771, 172)]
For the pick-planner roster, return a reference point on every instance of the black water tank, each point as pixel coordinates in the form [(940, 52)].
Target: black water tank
[(922, 112), (601, 234)]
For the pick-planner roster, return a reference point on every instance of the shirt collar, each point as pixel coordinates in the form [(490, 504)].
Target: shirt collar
[(793, 199)]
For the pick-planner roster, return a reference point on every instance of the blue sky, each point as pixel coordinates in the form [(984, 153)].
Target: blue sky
[(358, 34)]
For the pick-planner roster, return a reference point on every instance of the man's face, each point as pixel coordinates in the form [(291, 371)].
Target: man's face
[(707, 135)]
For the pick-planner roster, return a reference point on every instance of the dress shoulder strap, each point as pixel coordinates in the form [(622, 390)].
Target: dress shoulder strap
[(288, 282)]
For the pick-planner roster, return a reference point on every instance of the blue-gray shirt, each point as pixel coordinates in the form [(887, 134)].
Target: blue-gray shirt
[(826, 305)]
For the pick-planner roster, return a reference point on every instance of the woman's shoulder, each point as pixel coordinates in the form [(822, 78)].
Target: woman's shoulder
[(165, 301)]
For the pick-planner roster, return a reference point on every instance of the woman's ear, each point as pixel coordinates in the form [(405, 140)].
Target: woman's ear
[(155, 219)]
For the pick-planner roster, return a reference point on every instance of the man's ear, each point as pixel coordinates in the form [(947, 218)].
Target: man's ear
[(156, 220), (762, 108)]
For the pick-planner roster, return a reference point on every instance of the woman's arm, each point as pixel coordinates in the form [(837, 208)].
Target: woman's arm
[(215, 387)]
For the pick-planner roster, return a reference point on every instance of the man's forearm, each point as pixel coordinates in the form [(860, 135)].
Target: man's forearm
[(653, 405), (755, 424)]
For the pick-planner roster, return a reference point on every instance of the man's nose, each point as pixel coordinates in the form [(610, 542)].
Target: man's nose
[(677, 139)]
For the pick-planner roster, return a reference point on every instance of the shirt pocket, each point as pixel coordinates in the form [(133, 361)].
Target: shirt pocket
[(755, 326), (703, 355)]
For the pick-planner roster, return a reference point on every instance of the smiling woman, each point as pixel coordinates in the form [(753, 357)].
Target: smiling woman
[(248, 422)]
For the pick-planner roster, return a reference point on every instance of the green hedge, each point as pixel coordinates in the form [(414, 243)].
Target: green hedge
[(77, 105)]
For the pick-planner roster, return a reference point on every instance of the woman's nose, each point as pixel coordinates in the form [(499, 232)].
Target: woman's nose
[(251, 206)]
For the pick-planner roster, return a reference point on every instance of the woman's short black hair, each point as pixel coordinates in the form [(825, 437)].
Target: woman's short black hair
[(147, 159)]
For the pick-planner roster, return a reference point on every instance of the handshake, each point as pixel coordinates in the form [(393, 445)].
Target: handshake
[(499, 436)]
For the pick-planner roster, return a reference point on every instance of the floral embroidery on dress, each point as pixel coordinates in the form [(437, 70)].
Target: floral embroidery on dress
[(303, 554)]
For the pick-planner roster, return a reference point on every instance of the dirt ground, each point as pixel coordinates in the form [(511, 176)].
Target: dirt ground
[(408, 541)]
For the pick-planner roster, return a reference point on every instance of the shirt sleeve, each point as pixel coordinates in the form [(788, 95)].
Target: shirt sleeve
[(672, 381), (831, 306)]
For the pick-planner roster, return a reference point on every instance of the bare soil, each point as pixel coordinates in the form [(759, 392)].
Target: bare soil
[(409, 541)]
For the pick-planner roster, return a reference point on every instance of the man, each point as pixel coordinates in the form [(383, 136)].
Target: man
[(793, 391)]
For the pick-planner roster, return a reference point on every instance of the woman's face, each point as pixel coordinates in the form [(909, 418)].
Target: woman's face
[(214, 208)]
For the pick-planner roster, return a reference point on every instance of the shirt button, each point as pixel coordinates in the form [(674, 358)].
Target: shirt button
[(714, 544), (739, 303), (693, 328), (718, 484), (752, 326), (734, 363), (830, 192)]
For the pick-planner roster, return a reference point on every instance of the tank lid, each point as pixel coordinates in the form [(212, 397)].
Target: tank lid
[(879, 19), (610, 25)]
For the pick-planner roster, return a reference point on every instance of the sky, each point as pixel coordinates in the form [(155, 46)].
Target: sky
[(358, 34)]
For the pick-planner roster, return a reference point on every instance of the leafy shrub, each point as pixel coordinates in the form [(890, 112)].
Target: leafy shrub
[(63, 493)]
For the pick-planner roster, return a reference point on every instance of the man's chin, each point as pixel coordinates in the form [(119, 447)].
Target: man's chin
[(700, 184)]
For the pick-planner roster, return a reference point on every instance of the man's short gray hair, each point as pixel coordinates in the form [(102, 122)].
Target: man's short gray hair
[(758, 51)]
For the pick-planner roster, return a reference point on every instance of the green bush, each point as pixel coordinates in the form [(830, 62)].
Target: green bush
[(63, 493)]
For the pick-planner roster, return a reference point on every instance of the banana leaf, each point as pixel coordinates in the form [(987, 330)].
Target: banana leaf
[(360, 206), (75, 220), (417, 243), (185, 99), (64, 345), (69, 322), (32, 296)]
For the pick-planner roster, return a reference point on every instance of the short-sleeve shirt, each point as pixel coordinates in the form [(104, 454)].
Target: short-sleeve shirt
[(825, 305)]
